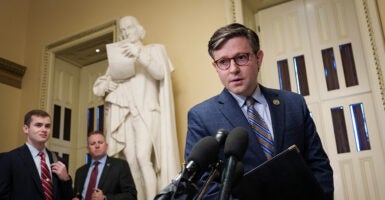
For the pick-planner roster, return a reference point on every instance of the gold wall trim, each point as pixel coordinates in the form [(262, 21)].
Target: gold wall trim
[(374, 49), (234, 12), (11, 73), (81, 35)]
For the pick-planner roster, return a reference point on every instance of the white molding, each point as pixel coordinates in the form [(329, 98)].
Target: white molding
[(48, 58), (374, 45), (234, 11)]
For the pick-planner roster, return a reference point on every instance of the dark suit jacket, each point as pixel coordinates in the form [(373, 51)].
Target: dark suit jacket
[(116, 180), (291, 121), (20, 180)]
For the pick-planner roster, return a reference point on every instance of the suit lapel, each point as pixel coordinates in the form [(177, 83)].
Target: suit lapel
[(105, 172), (230, 110), (29, 164), (82, 177), (277, 107)]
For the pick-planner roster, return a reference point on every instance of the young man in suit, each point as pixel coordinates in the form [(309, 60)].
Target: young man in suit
[(113, 180), (237, 59), (22, 172)]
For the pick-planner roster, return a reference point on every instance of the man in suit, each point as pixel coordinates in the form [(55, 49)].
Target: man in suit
[(21, 170), (237, 60), (115, 180)]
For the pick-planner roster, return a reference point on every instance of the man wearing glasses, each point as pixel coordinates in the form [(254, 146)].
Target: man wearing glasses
[(286, 119)]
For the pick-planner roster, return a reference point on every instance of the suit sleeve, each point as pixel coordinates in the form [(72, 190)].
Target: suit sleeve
[(65, 187), (316, 157), (77, 183), (196, 131), (5, 176), (126, 183)]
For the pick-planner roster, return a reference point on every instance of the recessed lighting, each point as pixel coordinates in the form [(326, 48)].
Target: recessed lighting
[(97, 50)]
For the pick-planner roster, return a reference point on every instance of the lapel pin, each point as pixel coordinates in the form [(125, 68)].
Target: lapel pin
[(276, 102)]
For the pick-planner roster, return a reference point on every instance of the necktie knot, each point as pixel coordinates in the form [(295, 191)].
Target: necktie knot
[(250, 101), (41, 154)]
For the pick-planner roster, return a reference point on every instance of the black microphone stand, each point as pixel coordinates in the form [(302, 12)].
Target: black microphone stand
[(181, 187), (224, 192), (213, 174)]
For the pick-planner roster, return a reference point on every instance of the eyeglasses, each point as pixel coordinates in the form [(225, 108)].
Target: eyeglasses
[(240, 59)]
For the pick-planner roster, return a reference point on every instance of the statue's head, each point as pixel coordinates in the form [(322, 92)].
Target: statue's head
[(130, 29)]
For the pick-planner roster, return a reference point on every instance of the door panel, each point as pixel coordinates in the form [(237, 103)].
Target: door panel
[(327, 34), (65, 103)]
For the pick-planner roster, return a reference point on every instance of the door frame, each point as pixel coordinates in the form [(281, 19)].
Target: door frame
[(77, 143)]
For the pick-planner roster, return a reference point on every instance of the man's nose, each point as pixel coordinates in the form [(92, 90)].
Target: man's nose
[(234, 67)]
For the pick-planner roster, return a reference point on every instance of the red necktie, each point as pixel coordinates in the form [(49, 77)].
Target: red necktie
[(45, 178), (92, 184)]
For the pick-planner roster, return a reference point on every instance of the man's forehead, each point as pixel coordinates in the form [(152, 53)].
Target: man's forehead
[(36, 118), (96, 137)]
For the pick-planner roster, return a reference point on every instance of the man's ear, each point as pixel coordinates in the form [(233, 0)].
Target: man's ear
[(25, 128), (259, 58)]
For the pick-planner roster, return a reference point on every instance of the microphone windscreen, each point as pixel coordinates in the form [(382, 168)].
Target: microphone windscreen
[(204, 152), (236, 143)]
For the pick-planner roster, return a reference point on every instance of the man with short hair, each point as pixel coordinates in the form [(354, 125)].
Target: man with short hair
[(31, 171), (113, 177), (274, 119)]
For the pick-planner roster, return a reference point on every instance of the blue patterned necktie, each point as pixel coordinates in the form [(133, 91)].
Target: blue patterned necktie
[(260, 128)]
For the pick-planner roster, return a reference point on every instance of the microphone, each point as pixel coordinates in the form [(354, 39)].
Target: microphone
[(235, 147), (204, 152), (221, 136)]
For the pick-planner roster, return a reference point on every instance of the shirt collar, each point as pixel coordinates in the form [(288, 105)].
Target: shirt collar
[(101, 161), (257, 95), (34, 151)]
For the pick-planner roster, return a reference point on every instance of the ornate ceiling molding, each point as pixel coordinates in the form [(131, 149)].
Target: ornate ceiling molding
[(11, 73)]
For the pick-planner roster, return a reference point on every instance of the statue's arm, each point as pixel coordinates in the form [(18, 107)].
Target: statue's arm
[(152, 59), (104, 85)]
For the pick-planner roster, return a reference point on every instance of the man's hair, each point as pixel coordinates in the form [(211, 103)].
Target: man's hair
[(39, 113), (95, 133), (233, 30)]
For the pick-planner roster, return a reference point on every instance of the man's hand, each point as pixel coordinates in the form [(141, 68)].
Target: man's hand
[(60, 170), (98, 195)]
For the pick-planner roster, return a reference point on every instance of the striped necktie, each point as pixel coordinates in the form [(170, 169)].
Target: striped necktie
[(260, 128), (46, 180)]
